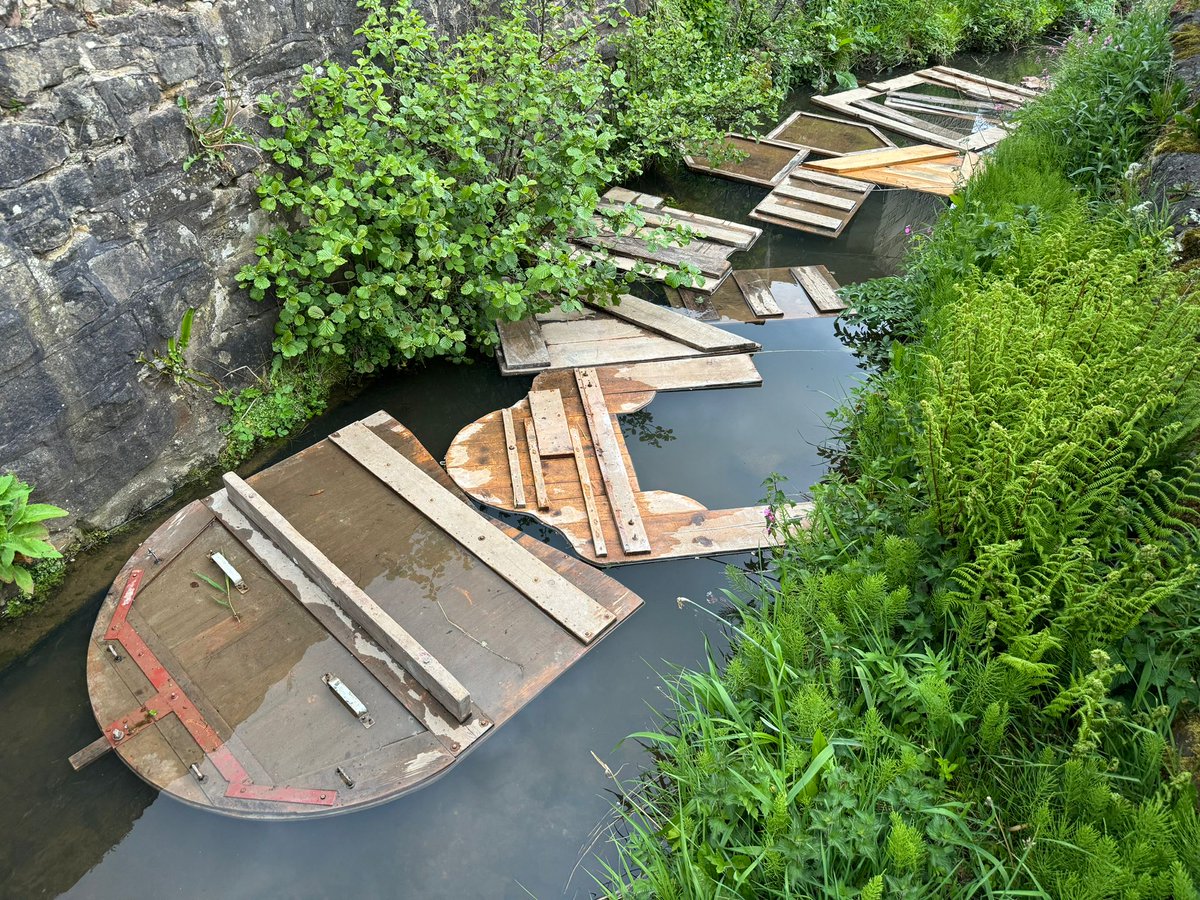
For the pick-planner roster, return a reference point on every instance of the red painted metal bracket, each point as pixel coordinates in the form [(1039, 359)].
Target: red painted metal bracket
[(171, 698)]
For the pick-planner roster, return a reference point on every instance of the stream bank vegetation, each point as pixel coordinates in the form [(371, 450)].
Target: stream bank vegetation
[(428, 188), (967, 677)]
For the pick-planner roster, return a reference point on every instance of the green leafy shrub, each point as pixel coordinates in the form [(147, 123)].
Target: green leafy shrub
[(22, 534)]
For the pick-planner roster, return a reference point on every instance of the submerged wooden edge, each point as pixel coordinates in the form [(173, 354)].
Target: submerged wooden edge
[(385, 630), (559, 598)]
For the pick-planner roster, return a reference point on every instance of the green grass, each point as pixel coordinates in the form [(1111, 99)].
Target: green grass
[(963, 678)]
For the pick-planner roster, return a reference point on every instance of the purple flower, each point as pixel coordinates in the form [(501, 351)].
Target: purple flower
[(908, 229), (770, 516)]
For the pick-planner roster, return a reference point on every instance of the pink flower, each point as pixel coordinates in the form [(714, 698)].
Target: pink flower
[(908, 229)]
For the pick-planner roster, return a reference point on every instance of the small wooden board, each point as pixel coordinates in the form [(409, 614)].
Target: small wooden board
[(767, 161), (522, 345), (874, 159), (633, 330), (813, 201), (550, 423), (605, 527), (752, 292), (229, 711), (932, 170), (827, 135)]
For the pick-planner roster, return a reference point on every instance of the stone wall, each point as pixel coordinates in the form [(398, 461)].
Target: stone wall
[(105, 241)]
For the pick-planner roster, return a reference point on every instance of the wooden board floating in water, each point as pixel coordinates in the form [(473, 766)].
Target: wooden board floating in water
[(813, 201), (767, 160), (828, 135), (861, 103), (633, 330), (761, 295), (715, 240), (365, 570), (622, 522), (932, 170)]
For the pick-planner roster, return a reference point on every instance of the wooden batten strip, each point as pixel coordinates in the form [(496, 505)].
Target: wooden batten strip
[(803, 174), (796, 193), (873, 159), (795, 214), (612, 466), (373, 619), (514, 459), (550, 423), (555, 595), (535, 461), (840, 103), (756, 291), (589, 496), (677, 327), (819, 291), (690, 374)]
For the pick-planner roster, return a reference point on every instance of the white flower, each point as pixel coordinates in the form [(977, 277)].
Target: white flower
[(1132, 171)]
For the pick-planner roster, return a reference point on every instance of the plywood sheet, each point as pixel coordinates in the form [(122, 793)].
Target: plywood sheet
[(828, 135)]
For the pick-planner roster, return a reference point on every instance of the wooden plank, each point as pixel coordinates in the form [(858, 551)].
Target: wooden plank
[(898, 83), (522, 344), (535, 462), (795, 214), (677, 326), (873, 159), (90, 753), (996, 87), (612, 467), (900, 118), (980, 106), (819, 291), (928, 109), (382, 628), (550, 423), (832, 200), (718, 231), (686, 374), (573, 609), (838, 103), (757, 291), (803, 174), (634, 246), (514, 461), (589, 497)]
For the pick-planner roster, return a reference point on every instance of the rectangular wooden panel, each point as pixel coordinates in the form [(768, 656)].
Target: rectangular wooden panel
[(690, 374), (828, 135), (872, 159), (522, 344), (677, 326), (612, 466), (589, 497), (550, 423), (757, 291), (514, 460), (555, 595), (766, 161), (798, 215), (382, 628), (535, 462), (819, 291)]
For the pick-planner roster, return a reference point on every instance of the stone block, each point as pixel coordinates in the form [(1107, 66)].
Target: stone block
[(36, 219), (30, 150), (122, 270), (161, 141), (179, 64)]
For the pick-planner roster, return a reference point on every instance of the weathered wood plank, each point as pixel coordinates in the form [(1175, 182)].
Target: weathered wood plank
[(554, 594), (804, 174), (522, 344), (1020, 92), (900, 118), (796, 214), (514, 460), (678, 327), (982, 106), (873, 159), (535, 463), (757, 291), (382, 628), (840, 103), (550, 423), (612, 466), (718, 231), (90, 753), (683, 374), (696, 253), (797, 193), (589, 497), (819, 291), (965, 115)]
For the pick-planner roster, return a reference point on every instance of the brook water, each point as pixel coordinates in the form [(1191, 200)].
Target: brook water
[(522, 814)]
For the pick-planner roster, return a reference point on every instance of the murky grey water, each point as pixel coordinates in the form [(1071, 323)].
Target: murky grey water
[(518, 815)]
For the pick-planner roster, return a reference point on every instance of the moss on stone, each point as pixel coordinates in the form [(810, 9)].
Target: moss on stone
[(1185, 41)]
